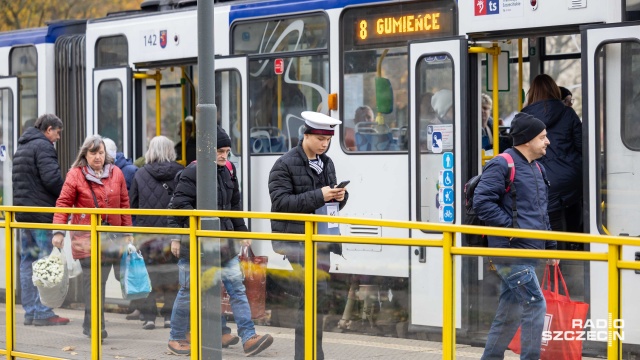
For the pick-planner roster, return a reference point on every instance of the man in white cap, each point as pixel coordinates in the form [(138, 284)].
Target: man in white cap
[(303, 181)]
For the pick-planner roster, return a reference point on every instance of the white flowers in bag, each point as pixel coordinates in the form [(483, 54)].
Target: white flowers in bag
[(49, 271), (51, 277)]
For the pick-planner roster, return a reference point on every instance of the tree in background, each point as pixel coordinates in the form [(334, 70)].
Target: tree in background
[(23, 14)]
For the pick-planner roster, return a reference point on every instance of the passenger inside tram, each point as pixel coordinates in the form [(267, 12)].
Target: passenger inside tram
[(442, 103)]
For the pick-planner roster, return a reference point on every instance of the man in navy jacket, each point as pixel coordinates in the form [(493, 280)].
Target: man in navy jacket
[(36, 182), (521, 301)]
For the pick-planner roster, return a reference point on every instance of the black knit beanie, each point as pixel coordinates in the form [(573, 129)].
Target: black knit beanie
[(223, 139), (525, 127)]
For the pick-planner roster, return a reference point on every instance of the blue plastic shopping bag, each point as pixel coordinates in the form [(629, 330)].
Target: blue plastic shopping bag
[(134, 278)]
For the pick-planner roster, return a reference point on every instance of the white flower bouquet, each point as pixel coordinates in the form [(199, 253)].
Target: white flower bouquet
[(51, 277), (48, 272)]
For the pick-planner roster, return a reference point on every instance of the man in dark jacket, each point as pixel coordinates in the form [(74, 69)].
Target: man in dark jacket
[(521, 301), (303, 181), (229, 198), (36, 182)]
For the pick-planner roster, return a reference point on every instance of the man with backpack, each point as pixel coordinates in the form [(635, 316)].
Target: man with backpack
[(521, 302)]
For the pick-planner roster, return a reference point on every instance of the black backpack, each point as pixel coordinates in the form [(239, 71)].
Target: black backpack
[(472, 218)]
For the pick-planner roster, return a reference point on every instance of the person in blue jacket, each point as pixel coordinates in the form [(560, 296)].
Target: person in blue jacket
[(126, 165), (521, 302)]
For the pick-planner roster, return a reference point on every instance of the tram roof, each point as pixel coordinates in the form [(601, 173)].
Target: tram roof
[(275, 7), (42, 35)]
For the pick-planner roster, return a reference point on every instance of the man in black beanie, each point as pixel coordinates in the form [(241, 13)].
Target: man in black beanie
[(184, 197), (521, 301)]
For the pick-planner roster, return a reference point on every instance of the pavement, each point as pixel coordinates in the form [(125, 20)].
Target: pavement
[(127, 340)]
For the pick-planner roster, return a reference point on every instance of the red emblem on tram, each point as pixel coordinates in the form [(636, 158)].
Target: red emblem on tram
[(163, 38)]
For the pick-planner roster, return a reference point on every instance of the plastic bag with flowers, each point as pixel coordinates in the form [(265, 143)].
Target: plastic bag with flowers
[(51, 277)]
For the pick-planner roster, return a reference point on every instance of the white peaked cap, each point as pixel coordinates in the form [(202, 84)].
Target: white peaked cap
[(319, 123)]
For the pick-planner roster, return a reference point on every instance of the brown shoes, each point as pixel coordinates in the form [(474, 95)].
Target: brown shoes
[(228, 340), (257, 343), (179, 347), (253, 346)]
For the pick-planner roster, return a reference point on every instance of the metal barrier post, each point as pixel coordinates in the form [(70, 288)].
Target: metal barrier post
[(96, 303), (448, 299), (614, 346), (194, 286), (8, 275), (309, 282)]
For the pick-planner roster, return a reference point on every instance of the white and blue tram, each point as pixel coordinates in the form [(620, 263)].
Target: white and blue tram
[(132, 75)]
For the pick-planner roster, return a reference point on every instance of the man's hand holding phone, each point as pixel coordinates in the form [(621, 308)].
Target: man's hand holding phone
[(337, 193)]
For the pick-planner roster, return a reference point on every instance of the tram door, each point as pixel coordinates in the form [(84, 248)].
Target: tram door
[(612, 56), (437, 92), (8, 138), (231, 95), (112, 107)]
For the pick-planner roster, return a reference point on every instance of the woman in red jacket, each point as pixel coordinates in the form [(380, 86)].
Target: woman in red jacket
[(94, 181)]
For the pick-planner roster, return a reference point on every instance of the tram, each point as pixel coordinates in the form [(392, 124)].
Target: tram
[(132, 75)]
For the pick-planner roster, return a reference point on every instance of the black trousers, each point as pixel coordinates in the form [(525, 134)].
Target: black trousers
[(323, 265), (106, 263)]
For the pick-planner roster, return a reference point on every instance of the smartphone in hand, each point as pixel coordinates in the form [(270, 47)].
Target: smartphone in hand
[(343, 184)]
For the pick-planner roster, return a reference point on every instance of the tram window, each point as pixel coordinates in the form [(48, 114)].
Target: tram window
[(631, 97), (170, 105), (435, 114), (24, 65), (617, 99), (229, 106), (567, 73), (562, 44), (6, 136), (112, 51), (508, 101), (280, 35), (110, 111), (277, 101), (384, 95)]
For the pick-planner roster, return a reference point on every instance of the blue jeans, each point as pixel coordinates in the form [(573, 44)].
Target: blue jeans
[(232, 278), (36, 244), (521, 304)]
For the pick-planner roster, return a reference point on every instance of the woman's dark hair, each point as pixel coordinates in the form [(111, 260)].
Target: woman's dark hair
[(543, 88)]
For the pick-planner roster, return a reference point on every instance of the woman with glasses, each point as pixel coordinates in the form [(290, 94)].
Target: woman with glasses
[(563, 160), (566, 96)]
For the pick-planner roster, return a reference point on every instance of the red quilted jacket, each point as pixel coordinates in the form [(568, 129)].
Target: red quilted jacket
[(112, 193)]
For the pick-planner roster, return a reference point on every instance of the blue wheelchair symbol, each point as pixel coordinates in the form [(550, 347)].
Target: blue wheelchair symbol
[(447, 178)]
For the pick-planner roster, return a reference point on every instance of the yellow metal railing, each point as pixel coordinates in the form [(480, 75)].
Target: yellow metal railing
[(310, 238)]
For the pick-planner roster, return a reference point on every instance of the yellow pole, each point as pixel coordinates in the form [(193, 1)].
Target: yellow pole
[(8, 275), (158, 107), (309, 315), (614, 346), (195, 283), (183, 149), (495, 52), (448, 299), (279, 106), (157, 77), (520, 99), (96, 319)]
